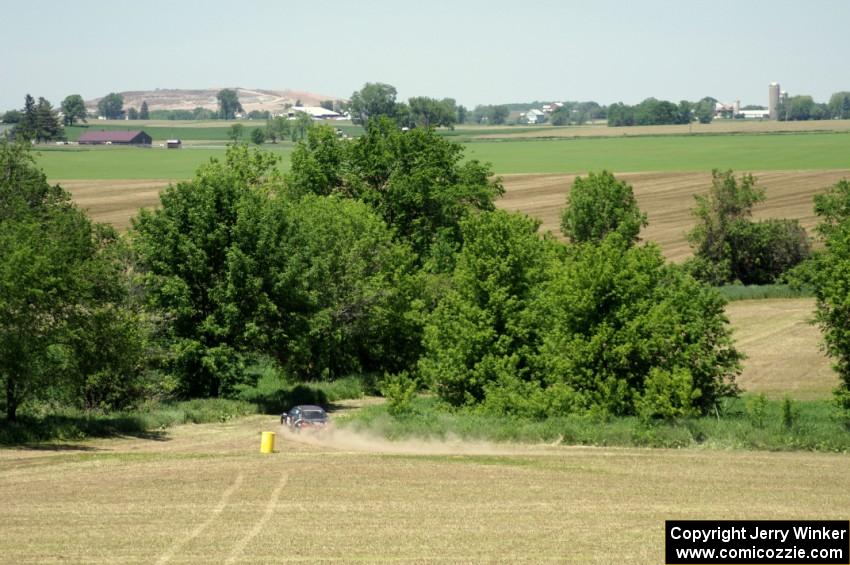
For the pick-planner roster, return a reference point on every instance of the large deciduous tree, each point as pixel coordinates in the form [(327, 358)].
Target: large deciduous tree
[(228, 104), (727, 202), (417, 181), (73, 109), (184, 249), (729, 246), (111, 106), (373, 100), (534, 328), (58, 274), (600, 204), (831, 280)]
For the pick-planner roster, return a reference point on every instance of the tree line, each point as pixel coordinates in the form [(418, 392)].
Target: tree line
[(381, 255)]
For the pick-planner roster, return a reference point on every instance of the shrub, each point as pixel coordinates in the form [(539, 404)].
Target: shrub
[(399, 390)]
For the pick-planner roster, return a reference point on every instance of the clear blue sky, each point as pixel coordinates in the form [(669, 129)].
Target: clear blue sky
[(489, 51)]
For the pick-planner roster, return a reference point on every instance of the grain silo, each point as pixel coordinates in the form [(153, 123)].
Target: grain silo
[(773, 100)]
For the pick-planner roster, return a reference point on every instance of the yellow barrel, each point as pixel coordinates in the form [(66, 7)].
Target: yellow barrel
[(267, 442)]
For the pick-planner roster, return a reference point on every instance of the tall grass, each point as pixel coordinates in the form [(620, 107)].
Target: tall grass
[(147, 421), (734, 292), (748, 423)]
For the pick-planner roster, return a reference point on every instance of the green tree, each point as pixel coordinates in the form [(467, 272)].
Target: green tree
[(277, 128), (321, 286), (184, 250), (320, 164), (598, 205), (27, 127), (611, 317), (373, 100), (499, 114), (235, 132), (417, 181), (258, 136), (228, 104), (476, 338), (727, 202), (48, 126), (73, 109), (12, 117), (111, 106), (800, 108), (429, 112), (461, 114), (56, 270), (831, 278), (132, 114), (762, 251), (302, 124), (704, 109), (529, 326), (144, 112)]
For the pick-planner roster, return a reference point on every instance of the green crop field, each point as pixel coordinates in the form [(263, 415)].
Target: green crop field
[(160, 130), (134, 163), (668, 153), (634, 154)]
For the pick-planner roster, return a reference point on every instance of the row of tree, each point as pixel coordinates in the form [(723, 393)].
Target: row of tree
[(384, 254), (805, 108)]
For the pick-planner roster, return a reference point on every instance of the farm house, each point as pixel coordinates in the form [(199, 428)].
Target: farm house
[(114, 138)]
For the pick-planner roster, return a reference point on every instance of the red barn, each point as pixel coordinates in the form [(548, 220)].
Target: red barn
[(115, 137)]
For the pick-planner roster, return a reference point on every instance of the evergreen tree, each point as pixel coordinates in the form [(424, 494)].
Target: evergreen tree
[(26, 128), (48, 126), (144, 113)]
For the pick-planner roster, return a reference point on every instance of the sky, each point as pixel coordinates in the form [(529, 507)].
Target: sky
[(478, 52)]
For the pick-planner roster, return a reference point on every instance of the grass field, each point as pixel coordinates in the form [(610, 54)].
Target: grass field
[(160, 130), (123, 163), (668, 153), (697, 153), (202, 493), (783, 349)]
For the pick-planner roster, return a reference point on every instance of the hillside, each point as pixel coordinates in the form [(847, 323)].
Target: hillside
[(188, 99)]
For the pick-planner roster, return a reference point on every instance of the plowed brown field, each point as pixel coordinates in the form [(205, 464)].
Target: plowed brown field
[(715, 127), (668, 198)]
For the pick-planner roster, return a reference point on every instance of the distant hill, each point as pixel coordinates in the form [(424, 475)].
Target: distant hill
[(187, 99)]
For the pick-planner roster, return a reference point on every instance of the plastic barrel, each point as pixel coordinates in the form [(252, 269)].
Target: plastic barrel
[(267, 442)]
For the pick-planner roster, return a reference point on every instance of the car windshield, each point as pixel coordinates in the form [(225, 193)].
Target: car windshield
[(314, 415)]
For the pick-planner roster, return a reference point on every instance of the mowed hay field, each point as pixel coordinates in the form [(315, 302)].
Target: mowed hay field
[(783, 348), (115, 201), (668, 198), (202, 494)]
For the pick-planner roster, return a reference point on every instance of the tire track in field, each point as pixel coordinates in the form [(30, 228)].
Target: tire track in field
[(240, 545), (222, 504)]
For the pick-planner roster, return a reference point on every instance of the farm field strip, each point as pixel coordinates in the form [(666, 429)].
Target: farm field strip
[(666, 153), (668, 198), (717, 127), (822, 151), (139, 500)]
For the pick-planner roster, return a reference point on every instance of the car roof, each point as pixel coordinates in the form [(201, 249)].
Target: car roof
[(310, 407)]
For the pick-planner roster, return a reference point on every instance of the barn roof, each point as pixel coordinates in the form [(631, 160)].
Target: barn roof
[(114, 135)]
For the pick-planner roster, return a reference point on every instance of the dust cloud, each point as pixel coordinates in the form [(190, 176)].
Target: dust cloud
[(345, 440)]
